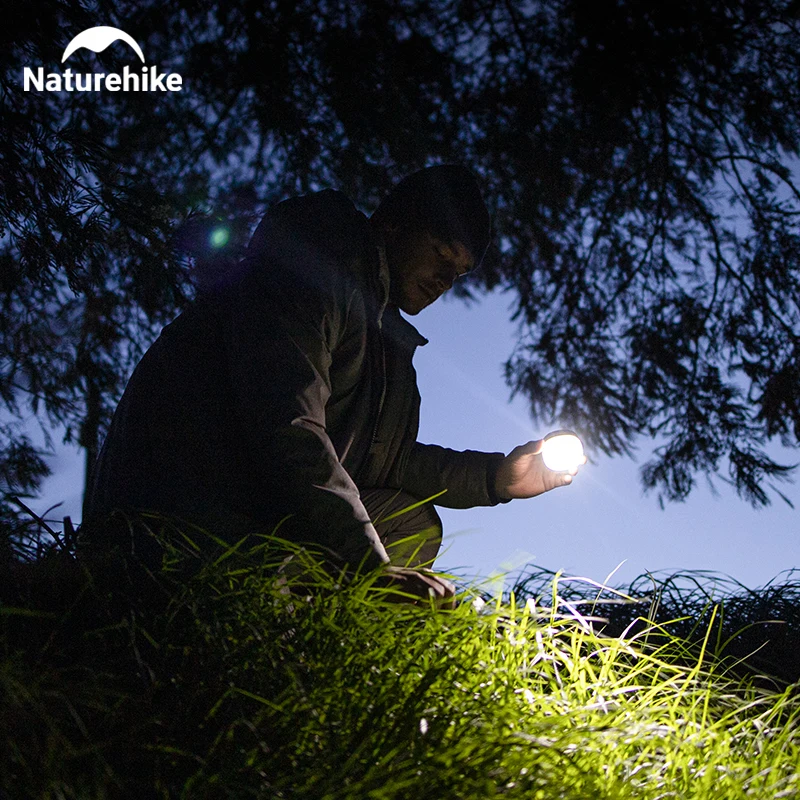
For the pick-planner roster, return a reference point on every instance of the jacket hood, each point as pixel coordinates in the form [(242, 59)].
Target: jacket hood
[(329, 223)]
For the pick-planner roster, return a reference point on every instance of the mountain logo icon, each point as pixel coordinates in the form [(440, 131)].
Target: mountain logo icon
[(98, 39)]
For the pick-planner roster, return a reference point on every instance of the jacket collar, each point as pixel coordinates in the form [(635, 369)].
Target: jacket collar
[(399, 328)]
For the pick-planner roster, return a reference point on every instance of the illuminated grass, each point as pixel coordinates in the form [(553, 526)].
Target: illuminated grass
[(240, 683)]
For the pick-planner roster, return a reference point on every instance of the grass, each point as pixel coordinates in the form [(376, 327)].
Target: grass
[(229, 674)]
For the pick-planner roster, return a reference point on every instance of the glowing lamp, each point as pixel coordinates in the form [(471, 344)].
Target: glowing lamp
[(562, 451)]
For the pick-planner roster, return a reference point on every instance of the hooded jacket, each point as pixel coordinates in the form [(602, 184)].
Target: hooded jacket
[(277, 394)]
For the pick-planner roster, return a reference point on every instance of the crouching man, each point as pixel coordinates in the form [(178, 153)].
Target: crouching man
[(287, 391)]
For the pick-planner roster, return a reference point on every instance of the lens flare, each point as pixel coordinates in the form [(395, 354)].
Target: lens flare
[(219, 237), (562, 451)]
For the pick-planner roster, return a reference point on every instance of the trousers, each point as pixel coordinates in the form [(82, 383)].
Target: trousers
[(410, 531)]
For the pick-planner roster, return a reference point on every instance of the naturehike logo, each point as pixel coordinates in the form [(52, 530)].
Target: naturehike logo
[(149, 79)]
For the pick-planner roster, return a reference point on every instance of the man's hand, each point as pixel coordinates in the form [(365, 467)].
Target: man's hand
[(522, 473), (422, 585)]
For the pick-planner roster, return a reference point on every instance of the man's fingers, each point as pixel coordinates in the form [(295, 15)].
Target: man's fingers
[(422, 585), (440, 586), (441, 591), (530, 448), (444, 592), (574, 470)]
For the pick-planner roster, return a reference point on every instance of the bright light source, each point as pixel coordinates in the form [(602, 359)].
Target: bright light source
[(562, 451), (219, 237)]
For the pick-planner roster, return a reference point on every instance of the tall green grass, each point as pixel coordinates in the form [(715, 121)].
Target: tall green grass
[(232, 673)]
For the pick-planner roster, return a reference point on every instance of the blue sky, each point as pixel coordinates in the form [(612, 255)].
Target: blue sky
[(603, 518), (588, 528)]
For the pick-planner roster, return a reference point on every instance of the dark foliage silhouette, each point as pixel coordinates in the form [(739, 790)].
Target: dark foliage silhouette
[(639, 161)]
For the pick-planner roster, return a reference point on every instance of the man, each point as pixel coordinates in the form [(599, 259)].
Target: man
[(286, 393)]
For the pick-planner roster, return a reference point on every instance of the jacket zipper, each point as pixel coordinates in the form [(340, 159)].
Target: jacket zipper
[(383, 393)]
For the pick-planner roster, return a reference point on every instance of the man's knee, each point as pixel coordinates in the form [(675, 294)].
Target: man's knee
[(411, 532)]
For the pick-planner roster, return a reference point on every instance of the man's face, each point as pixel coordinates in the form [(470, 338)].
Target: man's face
[(422, 268)]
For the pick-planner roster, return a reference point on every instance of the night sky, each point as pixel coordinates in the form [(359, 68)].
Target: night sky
[(588, 528)]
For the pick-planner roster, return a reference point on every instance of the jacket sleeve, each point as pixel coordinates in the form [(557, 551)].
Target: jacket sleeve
[(468, 476), (280, 333)]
